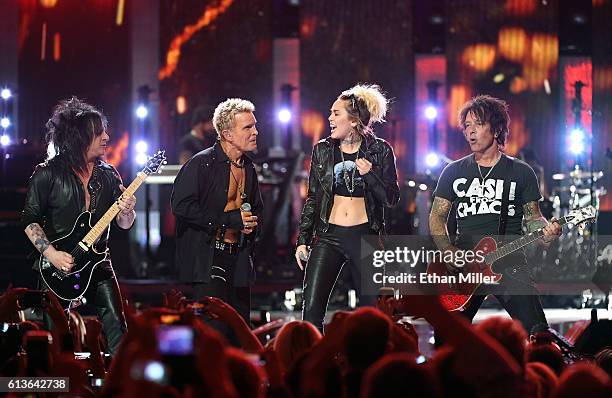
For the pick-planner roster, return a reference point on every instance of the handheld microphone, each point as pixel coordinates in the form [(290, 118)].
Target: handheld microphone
[(246, 206)]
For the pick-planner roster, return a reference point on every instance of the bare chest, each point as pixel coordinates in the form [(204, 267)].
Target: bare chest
[(236, 190)]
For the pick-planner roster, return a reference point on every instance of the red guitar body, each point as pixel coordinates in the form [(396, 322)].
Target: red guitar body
[(456, 296)]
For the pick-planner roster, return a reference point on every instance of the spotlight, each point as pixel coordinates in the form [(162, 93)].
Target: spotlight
[(284, 115), (142, 112), (5, 122), (432, 160), (423, 187), (141, 147), (5, 140), (411, 184), (431, 112), (141, 158), (577, 134), (577, 147), (576, 141), (6, 93)]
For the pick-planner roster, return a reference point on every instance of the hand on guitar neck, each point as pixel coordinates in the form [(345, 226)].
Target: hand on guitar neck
[(551, 232)]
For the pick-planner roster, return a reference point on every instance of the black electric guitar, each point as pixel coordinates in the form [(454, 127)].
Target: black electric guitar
[(79, 243)]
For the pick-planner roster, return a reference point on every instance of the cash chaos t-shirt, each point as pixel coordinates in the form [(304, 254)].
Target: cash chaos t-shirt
[(479, 202)]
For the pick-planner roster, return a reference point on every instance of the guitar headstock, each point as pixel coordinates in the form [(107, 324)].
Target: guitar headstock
[(155, 163), (579, 216)]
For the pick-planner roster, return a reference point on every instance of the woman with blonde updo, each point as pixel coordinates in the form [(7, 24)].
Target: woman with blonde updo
[(352, 180)]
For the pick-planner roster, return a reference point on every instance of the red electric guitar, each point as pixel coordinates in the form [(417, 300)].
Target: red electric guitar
[(455, 296)]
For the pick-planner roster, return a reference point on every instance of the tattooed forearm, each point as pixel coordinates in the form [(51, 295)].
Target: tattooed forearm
[(531, 211), (437, 222), (532, 217), (37, 236), (534, 225)]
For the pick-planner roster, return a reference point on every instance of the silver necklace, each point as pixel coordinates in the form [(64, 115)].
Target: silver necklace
[(481, 189), (243, 195), (348, 181)]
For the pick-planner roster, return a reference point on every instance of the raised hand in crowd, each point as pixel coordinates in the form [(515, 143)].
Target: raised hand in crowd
[(218, 309), (211, 361), (58, 316), (175, 300)]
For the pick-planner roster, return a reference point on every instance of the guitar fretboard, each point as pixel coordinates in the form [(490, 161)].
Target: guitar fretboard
[(519, 243), (112, 212)]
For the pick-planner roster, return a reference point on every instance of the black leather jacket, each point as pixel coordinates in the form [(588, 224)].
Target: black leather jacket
[(381, 188), (55, 197), (199, 197)]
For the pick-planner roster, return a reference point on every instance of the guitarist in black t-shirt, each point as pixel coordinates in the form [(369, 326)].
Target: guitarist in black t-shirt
[(479, 184)]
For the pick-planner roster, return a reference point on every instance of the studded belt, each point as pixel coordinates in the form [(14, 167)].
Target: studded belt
[(231, 248)]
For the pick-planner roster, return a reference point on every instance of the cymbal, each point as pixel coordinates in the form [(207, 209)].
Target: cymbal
[(577, 175)]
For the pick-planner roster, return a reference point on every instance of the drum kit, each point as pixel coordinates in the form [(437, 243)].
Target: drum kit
[(575, 190), (573, 254)]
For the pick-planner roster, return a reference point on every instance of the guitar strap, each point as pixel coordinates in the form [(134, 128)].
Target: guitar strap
[(503, 215)]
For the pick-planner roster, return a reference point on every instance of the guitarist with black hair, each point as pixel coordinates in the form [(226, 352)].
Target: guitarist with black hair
[(74, 179), (484, 185)]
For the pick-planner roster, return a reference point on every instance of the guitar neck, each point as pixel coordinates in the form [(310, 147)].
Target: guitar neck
[(98, 229), (520, 243)]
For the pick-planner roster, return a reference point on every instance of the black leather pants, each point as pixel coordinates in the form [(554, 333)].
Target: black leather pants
[(518, 297), (338, 246), (104, 295), (221, 285)]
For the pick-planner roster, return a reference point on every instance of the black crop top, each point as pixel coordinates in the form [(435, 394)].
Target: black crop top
[(347, 177)]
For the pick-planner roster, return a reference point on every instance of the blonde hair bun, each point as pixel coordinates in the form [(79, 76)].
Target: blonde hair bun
[(372, 96)]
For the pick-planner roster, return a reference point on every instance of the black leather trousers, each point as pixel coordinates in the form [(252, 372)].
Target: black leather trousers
[(517, 295), (332, 249), (221, 285), (104, 295)]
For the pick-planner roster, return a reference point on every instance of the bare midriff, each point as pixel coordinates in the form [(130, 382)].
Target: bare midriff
[(348, 211)]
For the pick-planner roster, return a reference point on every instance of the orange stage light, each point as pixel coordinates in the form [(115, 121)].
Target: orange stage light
[(534, 76), (116, 153), (48, 3), (174, 52), (313, 124), (519, 135), (57, 50), (512, 43), (479, 57), (520, 7), (120, 12), (459, 95), (181, 104), (544, 50), (518, 85)]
